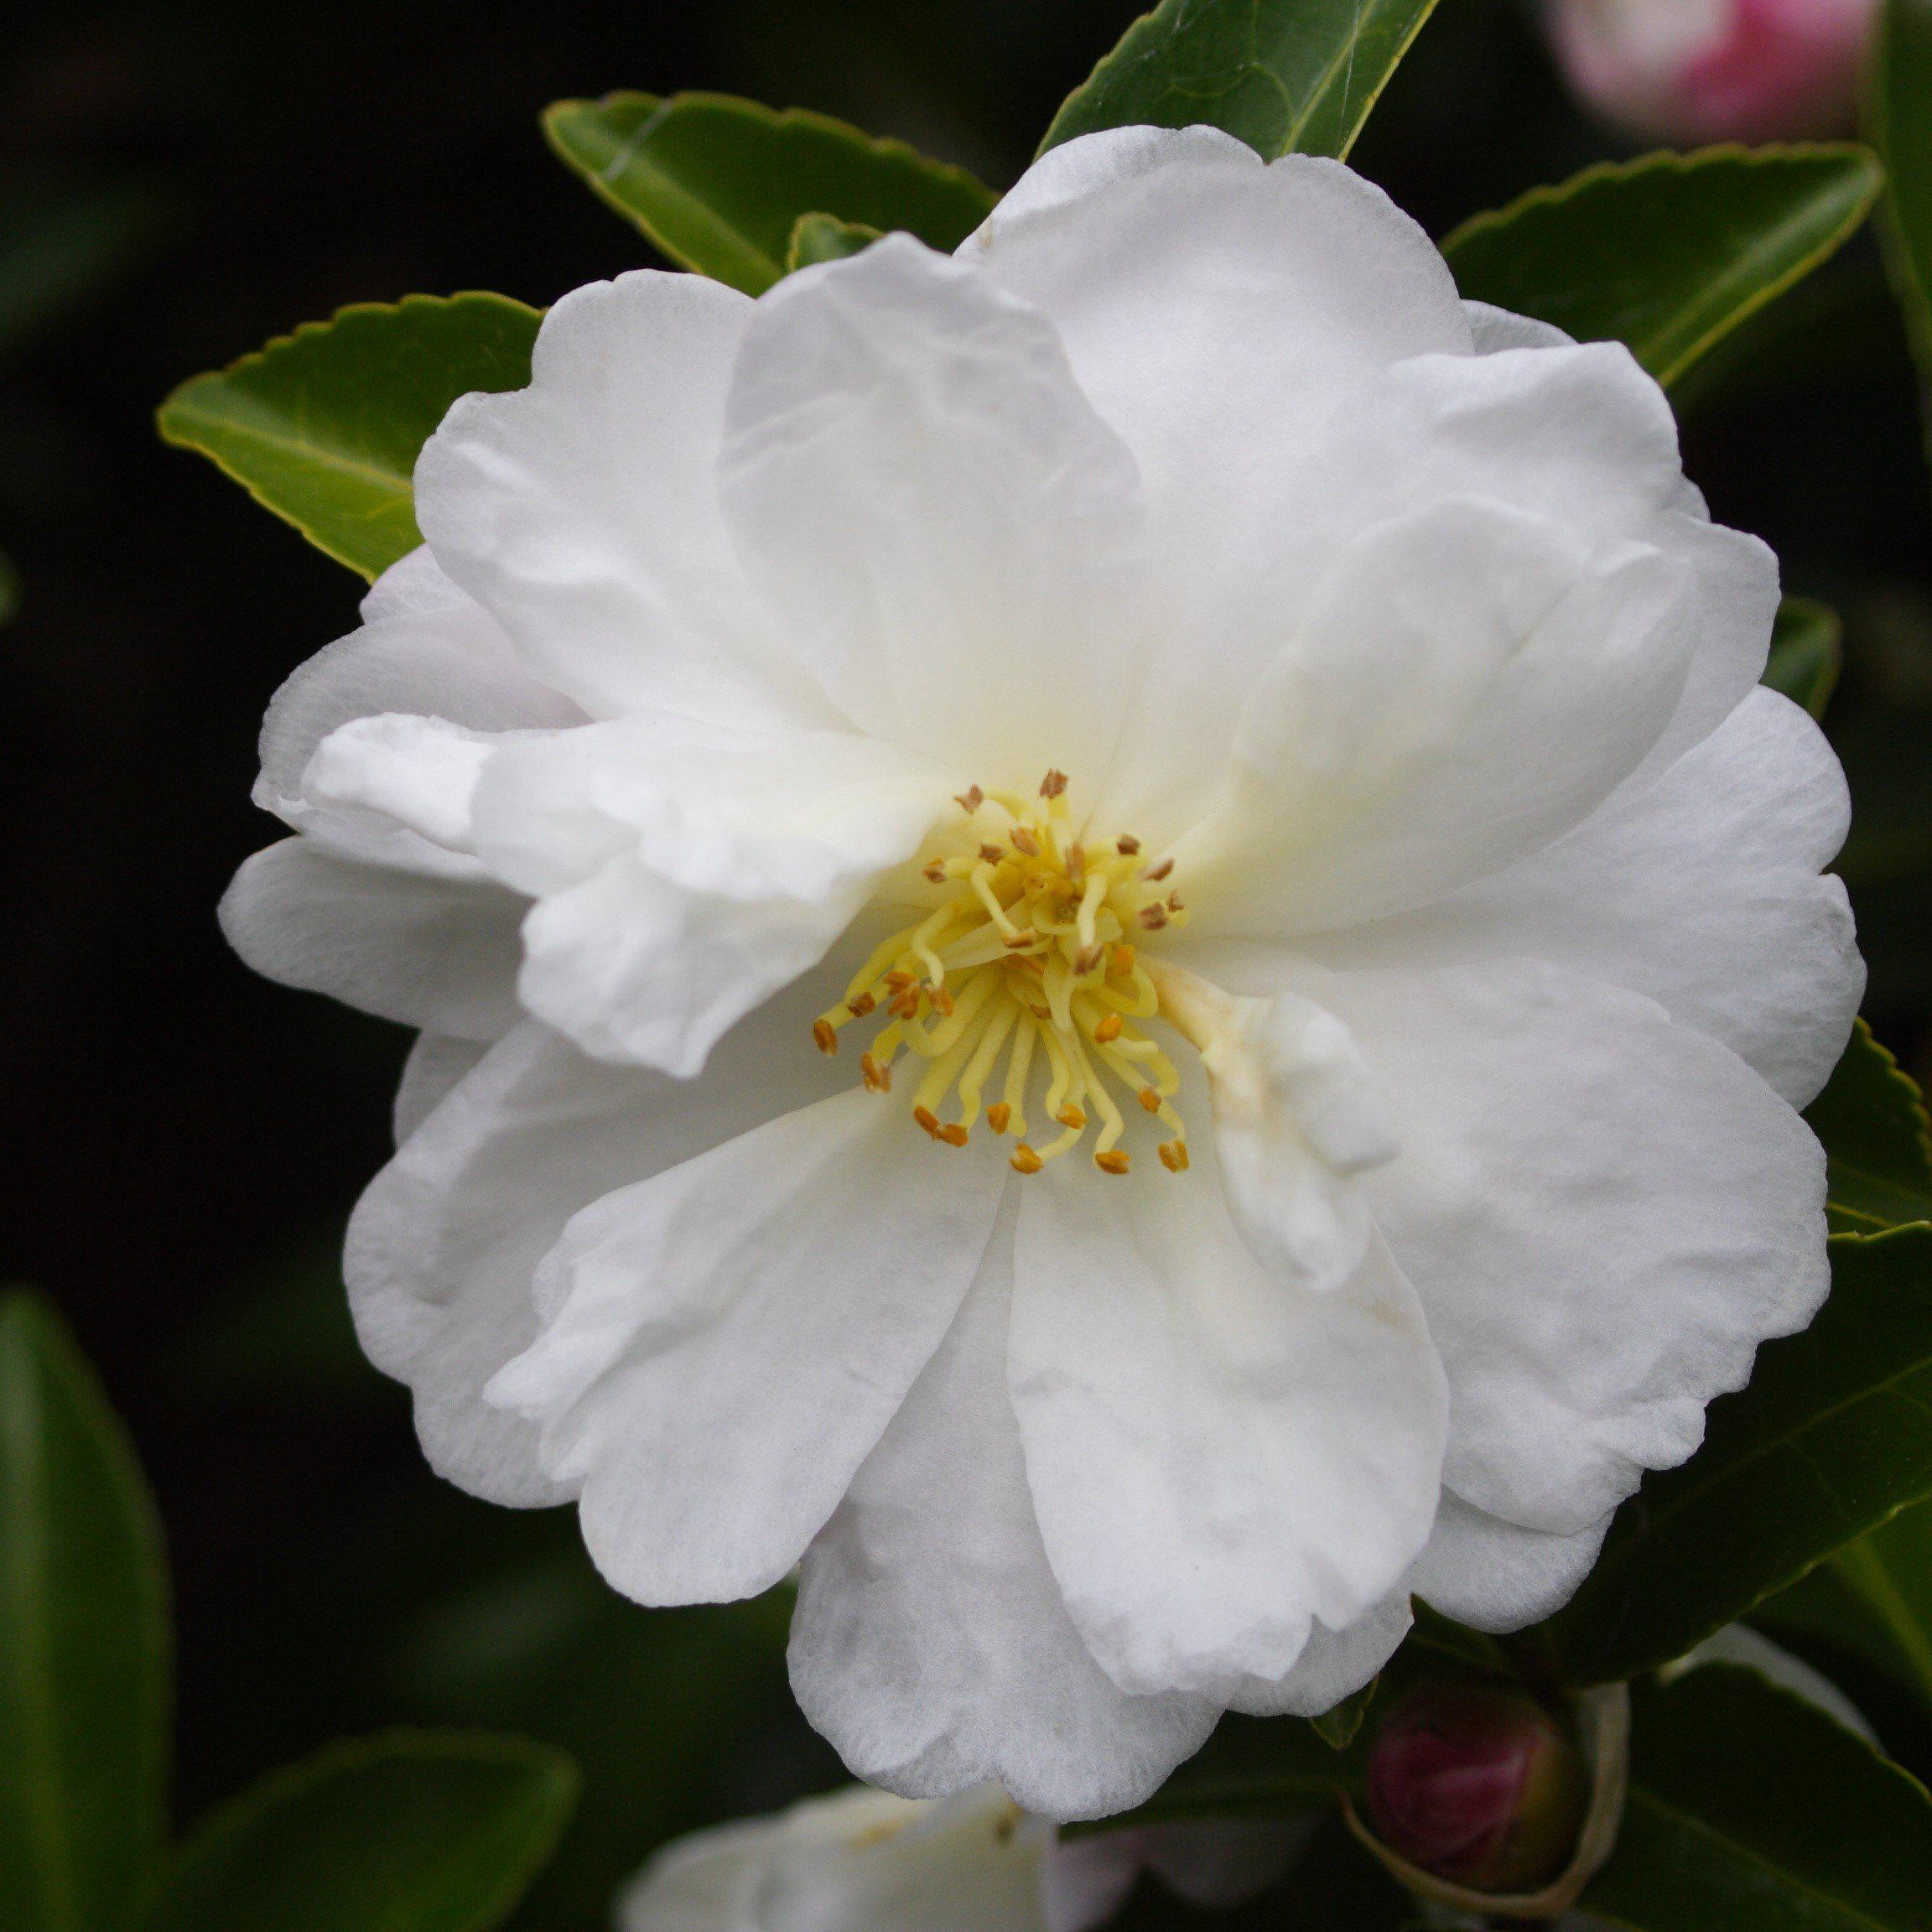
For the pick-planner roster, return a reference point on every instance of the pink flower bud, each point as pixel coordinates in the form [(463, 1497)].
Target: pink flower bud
[(1699, 70), (1477, 1786)]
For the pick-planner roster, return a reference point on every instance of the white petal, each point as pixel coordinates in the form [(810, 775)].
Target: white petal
[(1335, 1664), (723, 1344), (1497, 1576), (582, 511), (1469, 684), (947, 532), (858, 1861), (1496, 328), (443, 1245), (420, 773), (437, 1064), (423, 649), (685, 874), (441, 953), (1216, 311), (930, 1643), (1217, 1458), (1603, 1214), (1702, 890)]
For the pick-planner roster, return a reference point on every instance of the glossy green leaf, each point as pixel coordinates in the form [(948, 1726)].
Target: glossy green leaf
[(1807, 652), (1891, 1572), (1752, 1811), (411, 1831), (84, 1642), (825, 238), (1901, 118), (1670, 252), (1286, 76), (719, 184), (1832, 1437), (1877, 1141), (323, 427)]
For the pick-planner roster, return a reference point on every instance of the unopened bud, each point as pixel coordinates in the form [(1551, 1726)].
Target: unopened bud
[(1702, 71), (1476, 1785)]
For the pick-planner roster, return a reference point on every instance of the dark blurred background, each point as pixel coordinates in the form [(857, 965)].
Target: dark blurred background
[(178, 182)]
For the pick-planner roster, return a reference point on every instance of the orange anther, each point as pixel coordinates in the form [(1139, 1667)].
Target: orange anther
[(991, 853), (970, 800), (1157, 873), (1110, 1028), (1174, 1156), (936, 872), (1127, 845), (1114, 1162), (1025, 937), (954, 1134), (1024, 841), (927, 1119), (1150, 1100), (1071, 1116), (823, 1037), (1053, 784), (877, 1078), (907, 1006), (997, 1115), (1025, 1160), (861, 1006), (899, 979), (1174, 902), (1122, 963), (1087, 957), (1154, 917), (942, 1001)]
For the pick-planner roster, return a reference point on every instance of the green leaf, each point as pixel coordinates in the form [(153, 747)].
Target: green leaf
[(1668, 253), (323, 427), (410, 1831), (83, 1641), (1286, 76), (719, 184), (825, 238), (1877, 1141), (1807, 652), (1901, 119), (1749, 1808), (1338, 1727), (1251, 1768), (1832, 1437), (1891, 1572)]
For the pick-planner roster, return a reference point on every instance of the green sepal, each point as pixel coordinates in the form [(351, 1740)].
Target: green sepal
[(323, 427), (1832, 1437), (719, 184), (1286, 76), (86, 1652), (816, 237), (1339, 1726), (1877, 1141), (1670, 252), (1807, 653), (408, 1831), (1749, 1807)]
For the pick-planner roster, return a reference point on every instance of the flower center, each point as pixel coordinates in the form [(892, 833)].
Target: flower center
[(1026, 965)]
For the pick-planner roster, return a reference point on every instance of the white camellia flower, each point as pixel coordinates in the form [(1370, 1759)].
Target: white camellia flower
[(1110, 941), (863, 1861)]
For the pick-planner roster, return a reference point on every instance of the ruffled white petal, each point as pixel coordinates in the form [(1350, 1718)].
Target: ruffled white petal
[(424, 649), (1495, 329), (1334, 1664), (1603, 1214), (1217, 1458), (1469, 684), (723, 1345), (1702, 890), (684, 873), (930, 1643), (946, 532), (417, 773), (1217, 311), (582, 512), (858, 1861), (1497, 1576), (444, 1243), (437, 952), (437, 1064)]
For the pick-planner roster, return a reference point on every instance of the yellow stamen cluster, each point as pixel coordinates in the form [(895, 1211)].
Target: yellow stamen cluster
[(1027, 960)]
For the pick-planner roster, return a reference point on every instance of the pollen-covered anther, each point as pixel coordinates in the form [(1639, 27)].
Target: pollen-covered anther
[(1155, 873), (1017, 976), (1174, 1156)]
